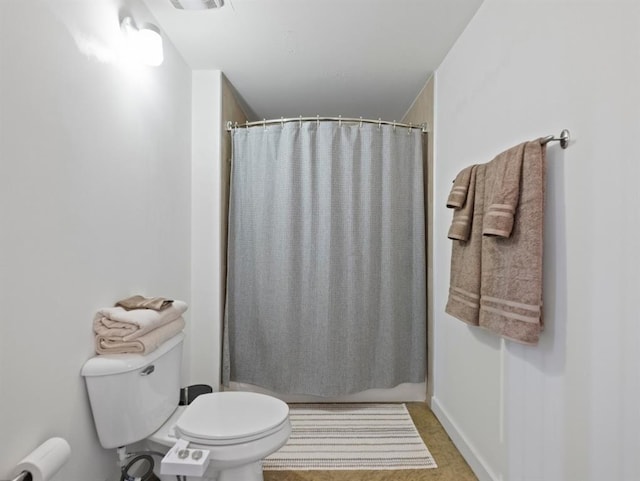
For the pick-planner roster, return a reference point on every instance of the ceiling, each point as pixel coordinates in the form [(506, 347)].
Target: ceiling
[(287, 58)]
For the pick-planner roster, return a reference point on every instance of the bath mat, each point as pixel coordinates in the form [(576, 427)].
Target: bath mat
[(350, 437)]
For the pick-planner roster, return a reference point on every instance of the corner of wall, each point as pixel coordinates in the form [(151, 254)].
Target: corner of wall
[(422, 111), (204, 333), (471, 456)]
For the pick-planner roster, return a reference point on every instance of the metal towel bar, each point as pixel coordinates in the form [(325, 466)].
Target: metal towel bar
[(564, 139)]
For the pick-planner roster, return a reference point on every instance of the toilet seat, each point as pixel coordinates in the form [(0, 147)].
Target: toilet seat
[(231, 418)]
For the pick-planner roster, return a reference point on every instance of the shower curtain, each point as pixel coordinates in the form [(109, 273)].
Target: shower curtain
[(326, 258)]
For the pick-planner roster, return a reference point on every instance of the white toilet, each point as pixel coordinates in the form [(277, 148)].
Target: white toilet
[(135, 398)]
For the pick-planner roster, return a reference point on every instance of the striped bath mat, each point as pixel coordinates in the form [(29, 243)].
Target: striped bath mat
[(351, 436)]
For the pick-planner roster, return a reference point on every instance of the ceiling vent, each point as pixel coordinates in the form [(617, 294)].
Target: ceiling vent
[(197, 4)]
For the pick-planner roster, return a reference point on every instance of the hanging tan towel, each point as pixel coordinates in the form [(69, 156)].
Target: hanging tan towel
[(511, 292), (463, 218), (129, 325), (504, 174), (466, 262), (144, 344), (458, 193), (141, 302)]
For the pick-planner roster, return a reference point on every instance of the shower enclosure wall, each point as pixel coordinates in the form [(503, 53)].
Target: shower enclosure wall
[(215, 102)]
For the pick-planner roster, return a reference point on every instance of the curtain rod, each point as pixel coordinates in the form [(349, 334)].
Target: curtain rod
[(424, 128), (564, 138)]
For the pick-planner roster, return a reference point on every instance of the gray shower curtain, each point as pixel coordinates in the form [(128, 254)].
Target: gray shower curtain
[(326, 258)]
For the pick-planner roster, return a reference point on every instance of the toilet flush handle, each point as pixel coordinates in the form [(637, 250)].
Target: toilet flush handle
[(147, 370)]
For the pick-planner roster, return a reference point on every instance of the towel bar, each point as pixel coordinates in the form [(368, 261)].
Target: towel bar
[(565, 137)]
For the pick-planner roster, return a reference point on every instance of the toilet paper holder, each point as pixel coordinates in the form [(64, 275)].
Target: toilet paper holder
[(23, 476), (44, 462)]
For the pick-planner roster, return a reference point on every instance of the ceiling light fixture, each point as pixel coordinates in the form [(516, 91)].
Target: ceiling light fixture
[(197, 4), (145, 41)]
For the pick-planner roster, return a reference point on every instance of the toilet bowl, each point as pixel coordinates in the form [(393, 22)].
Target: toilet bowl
[(239, 429), (135, 397)]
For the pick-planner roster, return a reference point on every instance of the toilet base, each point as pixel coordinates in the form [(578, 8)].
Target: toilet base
[(248, 472)]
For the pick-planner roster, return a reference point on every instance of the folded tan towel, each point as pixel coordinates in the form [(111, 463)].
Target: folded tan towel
[(503, 190), (511, 292), (144, 344), (463, 218), (141, 302), (466, 262), (129, 325), (458, 193)]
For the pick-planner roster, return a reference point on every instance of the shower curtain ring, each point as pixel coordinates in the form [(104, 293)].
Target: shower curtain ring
[(282, 122), (264, 124), (361, 122), (318, 120), (300, 122), (379, 122), (410, 127), (394, 125), (339, 120), (246, 124)]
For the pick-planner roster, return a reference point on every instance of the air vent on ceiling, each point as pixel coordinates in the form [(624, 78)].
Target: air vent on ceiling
[(197, 4)]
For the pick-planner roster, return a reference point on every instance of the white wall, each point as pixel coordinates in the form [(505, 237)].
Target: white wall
[(207, 303), (94, 206), (566, 410)]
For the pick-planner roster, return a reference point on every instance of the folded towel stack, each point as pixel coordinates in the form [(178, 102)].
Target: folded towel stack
[(496, 260), (139, 330)]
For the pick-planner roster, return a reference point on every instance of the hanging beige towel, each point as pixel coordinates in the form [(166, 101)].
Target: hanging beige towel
[(144, 344), (141, 302), (129, 325), (466, 262), (463, 218), (504, 174), (511, 292), (460, 188)]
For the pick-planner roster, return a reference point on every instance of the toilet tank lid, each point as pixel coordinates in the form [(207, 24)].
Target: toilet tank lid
[(105, 365)]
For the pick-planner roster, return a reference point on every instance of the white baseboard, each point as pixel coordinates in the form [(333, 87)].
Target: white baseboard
[(475, 461), (406, 392)]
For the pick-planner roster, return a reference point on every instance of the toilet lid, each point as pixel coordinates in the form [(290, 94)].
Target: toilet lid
[(231, 417)]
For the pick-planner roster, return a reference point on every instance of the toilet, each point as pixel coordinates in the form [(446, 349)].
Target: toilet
[(135, 398)]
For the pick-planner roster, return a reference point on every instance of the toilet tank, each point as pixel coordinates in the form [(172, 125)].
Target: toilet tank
[(132, 395)]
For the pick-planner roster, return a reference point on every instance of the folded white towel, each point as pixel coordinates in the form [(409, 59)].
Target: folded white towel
[(144, 344), (128, 325)]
